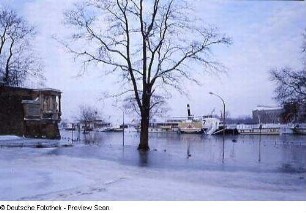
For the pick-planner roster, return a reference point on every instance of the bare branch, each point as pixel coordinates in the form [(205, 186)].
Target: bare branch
[(151, 45), (17, 60)]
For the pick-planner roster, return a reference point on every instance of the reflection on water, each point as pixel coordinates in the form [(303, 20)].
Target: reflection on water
[(259, 149), (285, 153), (143, 158)]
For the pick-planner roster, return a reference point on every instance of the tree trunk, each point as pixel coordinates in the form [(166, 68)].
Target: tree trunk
[(7, 67), (144, 131)]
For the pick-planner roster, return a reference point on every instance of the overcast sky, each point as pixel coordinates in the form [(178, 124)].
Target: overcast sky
[(265, 34)]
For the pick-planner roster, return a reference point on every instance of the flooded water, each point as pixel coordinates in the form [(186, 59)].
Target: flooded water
[(286, 153), (177, 167)]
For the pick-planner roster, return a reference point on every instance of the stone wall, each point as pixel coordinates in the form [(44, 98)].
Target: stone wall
[(11, 110), (12, 120)]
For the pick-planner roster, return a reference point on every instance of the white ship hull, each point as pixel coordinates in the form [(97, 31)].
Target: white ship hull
[(191, 130), (264, 129), (259, 132)]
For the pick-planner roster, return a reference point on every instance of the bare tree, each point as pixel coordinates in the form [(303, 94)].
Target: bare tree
[(88, 114), (158, 108), (291, 87), (17, 60), (291, 84), (151, 43)]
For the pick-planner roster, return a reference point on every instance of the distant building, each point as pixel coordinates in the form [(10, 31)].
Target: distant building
[(267, 114), (30, 112)]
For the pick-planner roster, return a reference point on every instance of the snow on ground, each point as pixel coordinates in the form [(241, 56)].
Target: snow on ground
[(108, 172), (9, 137), (17, 141)]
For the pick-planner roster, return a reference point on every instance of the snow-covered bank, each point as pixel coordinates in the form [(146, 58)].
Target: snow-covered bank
[(108, 172), (16, 141), (9, 137)]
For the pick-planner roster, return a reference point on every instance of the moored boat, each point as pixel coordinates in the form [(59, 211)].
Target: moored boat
[(210, 124), (300, 129), (191, 125), (259, 129)]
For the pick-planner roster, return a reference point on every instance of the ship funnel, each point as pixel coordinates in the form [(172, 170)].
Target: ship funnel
[(188, 110)]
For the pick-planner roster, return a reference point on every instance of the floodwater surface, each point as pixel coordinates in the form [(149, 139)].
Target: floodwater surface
[(103, 166)]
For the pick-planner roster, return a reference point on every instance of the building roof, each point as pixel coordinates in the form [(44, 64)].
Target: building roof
[(31, 89), (48, 90)]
